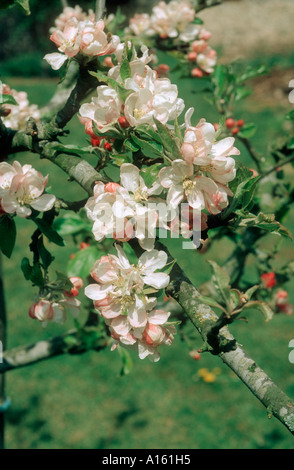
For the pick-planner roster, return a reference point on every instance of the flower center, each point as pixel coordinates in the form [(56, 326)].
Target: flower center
[(188, 185)]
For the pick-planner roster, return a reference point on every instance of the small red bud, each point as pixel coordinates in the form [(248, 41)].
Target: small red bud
[(84, 245), (240, 123), (123, 122), (230, 123), (95, 142), (235, 130), (196, 73), (107, 146)]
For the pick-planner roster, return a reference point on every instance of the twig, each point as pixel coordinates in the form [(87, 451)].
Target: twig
[(100, 7), (275, 167)]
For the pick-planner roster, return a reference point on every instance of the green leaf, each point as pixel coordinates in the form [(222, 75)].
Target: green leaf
[(26, 268), (7, 235), (125, 69), (147, 132), (121, 90), (249, 293), (220, 79), (150, 173), (127, 363), (70, 224), (235, 299), (247, 131), (221, 281), (252, 73), (83, 262), (131, 145), (70, 149), (45, 255), (32, 273), (266, 222), (168, 141), (263, 307), (24, 5), (210, 301), (241, 93), (149, 149), (7, 99), (49, 231)]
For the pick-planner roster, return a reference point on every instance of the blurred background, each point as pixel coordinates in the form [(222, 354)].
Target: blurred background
[(79, 402)]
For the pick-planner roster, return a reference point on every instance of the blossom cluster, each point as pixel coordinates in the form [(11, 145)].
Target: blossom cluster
[(176, 21), (202, 57), (149, 97), (77, 32), (135, 96), (167, 20), (15, 116), (120, 295), (54, 306), (22, 189)]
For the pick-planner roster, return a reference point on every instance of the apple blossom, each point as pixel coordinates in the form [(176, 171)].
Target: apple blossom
[(19, 114), (86, 37), (168, 20), (119, 288), (22, 188), (209, 156), (103, 109)]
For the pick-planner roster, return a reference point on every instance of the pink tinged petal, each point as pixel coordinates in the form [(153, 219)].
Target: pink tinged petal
[(120, 325), (223, 147), (137, 316), (59, 315), (128, 339), (182, 170), (196, 199), (23, 211), (158, 317), (56, 60), (166, 177), (129, 177), (144, 350), (9, 204), (43, 203), (111, 311), (175, 196), (97, 292), (156, 280), (152, 261), (188, 152)]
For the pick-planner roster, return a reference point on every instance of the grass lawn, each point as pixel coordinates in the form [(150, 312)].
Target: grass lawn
[(79, 402)]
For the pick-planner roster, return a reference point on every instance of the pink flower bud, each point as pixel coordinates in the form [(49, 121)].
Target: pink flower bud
[(43, 310), (188, 152), (77, 282), (192, 56), (111, 187), (154, 334), (197, 73)]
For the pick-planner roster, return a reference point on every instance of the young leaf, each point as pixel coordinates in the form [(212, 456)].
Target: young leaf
[(48, 231), (7, 99), (70, 224), (83, 262), (149, 149), (7, 235), (263, 307), (221, 281), (168, 141)]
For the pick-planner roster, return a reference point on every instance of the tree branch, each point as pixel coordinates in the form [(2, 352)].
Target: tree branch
[(68, 343)]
